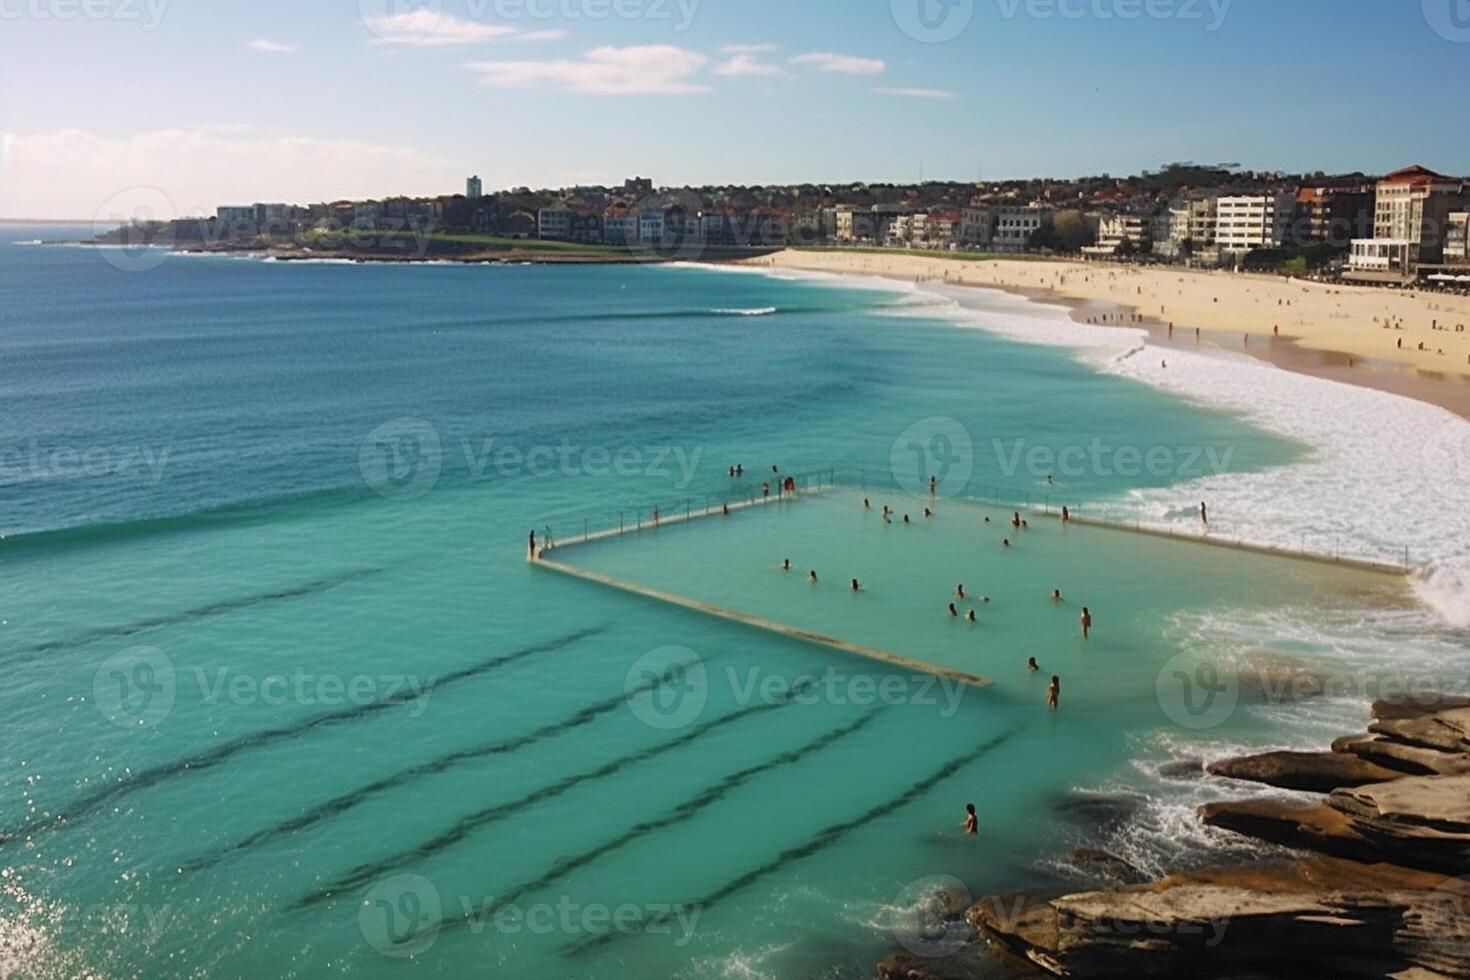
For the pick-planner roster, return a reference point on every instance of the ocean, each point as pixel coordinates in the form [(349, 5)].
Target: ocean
[(284, 698)]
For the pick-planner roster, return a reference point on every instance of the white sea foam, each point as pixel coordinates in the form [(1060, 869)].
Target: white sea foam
[(759, 311)]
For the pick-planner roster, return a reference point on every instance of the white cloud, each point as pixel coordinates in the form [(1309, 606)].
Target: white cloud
[(844, 64), (548, 35), (657, 69), (71, 173), (741, 65), (747, 48), (272, 47), (426, 27), (915, 93)]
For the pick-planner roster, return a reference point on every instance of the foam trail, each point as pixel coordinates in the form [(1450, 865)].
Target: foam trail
[(680, 813), (341, 804), (86, 805), (820, 841), (475, 822), (188, 615)]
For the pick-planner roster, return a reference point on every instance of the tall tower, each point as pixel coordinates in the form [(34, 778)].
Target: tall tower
[(473, 189)]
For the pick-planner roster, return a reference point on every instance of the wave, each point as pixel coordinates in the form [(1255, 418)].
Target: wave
[(759, 311)]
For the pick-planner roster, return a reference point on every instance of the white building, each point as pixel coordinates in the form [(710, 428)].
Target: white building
[(1249, 222), (1119, 233), (1457, 242), (554, 224), (1012, 226), (474, 189), (652, 226)]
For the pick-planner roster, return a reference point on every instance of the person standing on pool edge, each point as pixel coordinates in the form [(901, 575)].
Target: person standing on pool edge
[(1086, 622)]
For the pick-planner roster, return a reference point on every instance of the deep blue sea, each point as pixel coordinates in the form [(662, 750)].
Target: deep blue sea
[(283, 697)]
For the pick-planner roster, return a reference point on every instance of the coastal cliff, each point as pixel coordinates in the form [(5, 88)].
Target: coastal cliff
[(1376, 891)]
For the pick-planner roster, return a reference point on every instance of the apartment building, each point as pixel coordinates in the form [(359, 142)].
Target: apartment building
[(554, 224), (1410, 225), (1457, 241), (1119, 234), (1245, 223), (1012, 226)]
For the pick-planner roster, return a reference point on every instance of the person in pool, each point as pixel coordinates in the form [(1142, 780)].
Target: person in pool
[(928, 512), (1054, 692), (953, 612), (970, 616), (533, 544), (786, 564), (813, 576), (1086, 622), (906, 518), (1005, 542), (959, 591), (972, 822), (1032, 665), (855, 586), (1016, 519), (1056, 595), (867, 504), (1066, 516)]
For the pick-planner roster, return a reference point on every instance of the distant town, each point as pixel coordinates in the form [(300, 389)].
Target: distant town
[(1409, 226)]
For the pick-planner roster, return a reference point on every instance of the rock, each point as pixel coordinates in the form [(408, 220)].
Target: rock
[(1314, 917), (1107, 865), (1314, 772), (1416, 705), (1407, 759), (907, 966), (1417, 821), (1442, 731), (1183, 769)]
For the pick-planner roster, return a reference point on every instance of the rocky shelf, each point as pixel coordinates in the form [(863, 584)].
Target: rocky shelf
[(1376, 889)]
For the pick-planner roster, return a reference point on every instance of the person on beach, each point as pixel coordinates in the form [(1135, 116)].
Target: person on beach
[(1086, 622), (855, 586), (1032, 665), (1054, 692), (972, 822), (953, 612), (533, 544), (1056, 595)]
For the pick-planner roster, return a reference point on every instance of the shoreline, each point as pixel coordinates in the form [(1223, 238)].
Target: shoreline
[(1325, 350)]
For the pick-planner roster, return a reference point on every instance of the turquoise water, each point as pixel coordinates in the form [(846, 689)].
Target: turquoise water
[(271, 643)]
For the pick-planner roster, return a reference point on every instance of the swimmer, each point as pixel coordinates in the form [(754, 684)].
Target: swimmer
[(906, 519), (1056, 595), (1016, 519), (855, 586), (1054, 692), (959, 591), (1005, 543), (1086, 619), (972, 823), (933, 486), (1066, 516), (1025, 524), (533, 544), (867, 504), (928, 512), (970, 617), (786, 565), (1204, 513), (1032, 665), (813, 576), (987, 520), (953, 612)]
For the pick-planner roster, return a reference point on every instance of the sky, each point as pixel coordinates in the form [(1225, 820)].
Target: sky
[(185, 105)]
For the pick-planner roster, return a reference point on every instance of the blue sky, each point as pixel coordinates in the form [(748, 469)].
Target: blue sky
[(215, 102)]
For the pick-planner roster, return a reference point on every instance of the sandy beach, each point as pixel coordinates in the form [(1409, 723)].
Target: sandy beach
[(1359, 335)]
